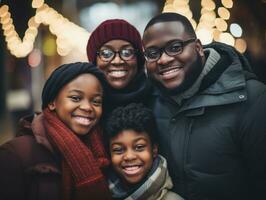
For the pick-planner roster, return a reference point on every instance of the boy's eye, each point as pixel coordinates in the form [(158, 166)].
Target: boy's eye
[(75, 98), (140, 147), (117, 150)]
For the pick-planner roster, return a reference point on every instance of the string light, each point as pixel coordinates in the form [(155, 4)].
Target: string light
[(181, 7), (227, 3), (223, 13), (236, 30), (240, 45), (72, 38), (210, 26)]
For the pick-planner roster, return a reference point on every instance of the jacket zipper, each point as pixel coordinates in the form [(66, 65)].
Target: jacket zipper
[(186, 152)]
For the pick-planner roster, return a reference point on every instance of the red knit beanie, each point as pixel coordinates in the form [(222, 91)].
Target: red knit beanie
[(114, 29)]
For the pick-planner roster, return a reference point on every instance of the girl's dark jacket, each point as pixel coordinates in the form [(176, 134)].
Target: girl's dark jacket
[(215, 141), (29, 168)]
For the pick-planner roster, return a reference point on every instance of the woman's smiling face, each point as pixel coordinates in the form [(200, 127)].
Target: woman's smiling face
[(118, 72)]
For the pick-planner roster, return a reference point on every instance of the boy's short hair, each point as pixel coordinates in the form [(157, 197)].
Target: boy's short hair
[(134, 117)]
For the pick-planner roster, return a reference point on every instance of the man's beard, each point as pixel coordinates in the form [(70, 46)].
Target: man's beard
[(190, 78)]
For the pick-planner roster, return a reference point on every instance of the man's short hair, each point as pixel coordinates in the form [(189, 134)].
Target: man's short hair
[(134, 117), (169, 17)]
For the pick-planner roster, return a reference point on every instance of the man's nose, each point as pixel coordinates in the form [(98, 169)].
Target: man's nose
[(165, 59)]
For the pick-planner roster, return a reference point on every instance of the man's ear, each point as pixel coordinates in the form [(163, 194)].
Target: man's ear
[(199, 47), (155, 150), (51, 106)]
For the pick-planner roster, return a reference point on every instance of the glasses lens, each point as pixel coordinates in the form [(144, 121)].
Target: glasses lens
[(127, 54), (174, 48), (106, 54), (152, 54)]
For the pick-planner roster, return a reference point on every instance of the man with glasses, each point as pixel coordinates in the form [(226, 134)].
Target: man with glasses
[(210, 111)]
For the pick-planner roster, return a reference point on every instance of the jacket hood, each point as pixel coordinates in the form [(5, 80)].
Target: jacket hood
[(33, 125), (232, 53), (230, 72)]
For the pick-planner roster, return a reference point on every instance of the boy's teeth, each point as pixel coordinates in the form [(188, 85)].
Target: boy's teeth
[(132, 169)]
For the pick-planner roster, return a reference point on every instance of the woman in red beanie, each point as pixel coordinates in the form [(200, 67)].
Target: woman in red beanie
[(115, 47), (60, 154)]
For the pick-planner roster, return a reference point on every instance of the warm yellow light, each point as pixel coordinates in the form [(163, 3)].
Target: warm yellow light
[(241, 45), (169, 2), (205, 3), (210, 6), (194, 23), (32, 22), (5, 20), (169, 8), (208, 16), (227, 3), (6, 16), (205, 35), (65, 30), (178, 3), (60, 26), (62, 51), (205, 24), (188, 15), (216, 35), (223, 13), (7, 25), (9, 31), (227, 38), (3, 10), (37, 3), (182, 9), (220, 24), (31, 33)]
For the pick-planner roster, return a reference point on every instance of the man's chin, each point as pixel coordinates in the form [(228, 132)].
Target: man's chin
[(171, 85)]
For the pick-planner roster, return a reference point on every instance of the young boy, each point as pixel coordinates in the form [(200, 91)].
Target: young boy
[(138, 171)]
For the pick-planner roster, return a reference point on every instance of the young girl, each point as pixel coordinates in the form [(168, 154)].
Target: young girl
[(115, 47), (59, 155)]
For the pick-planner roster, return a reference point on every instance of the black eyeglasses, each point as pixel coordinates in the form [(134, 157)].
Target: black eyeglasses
[(107, 55), (174, 48)]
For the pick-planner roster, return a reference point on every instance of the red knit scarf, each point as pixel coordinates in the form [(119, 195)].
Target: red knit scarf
[(81, 161)]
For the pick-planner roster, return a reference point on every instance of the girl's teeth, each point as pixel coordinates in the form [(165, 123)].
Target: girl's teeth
[(83, 120)]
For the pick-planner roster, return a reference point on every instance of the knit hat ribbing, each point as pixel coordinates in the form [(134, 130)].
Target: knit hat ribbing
[(114, 29), (63, 75)]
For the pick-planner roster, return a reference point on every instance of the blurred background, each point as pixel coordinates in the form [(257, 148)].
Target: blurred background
[(39, 35)]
